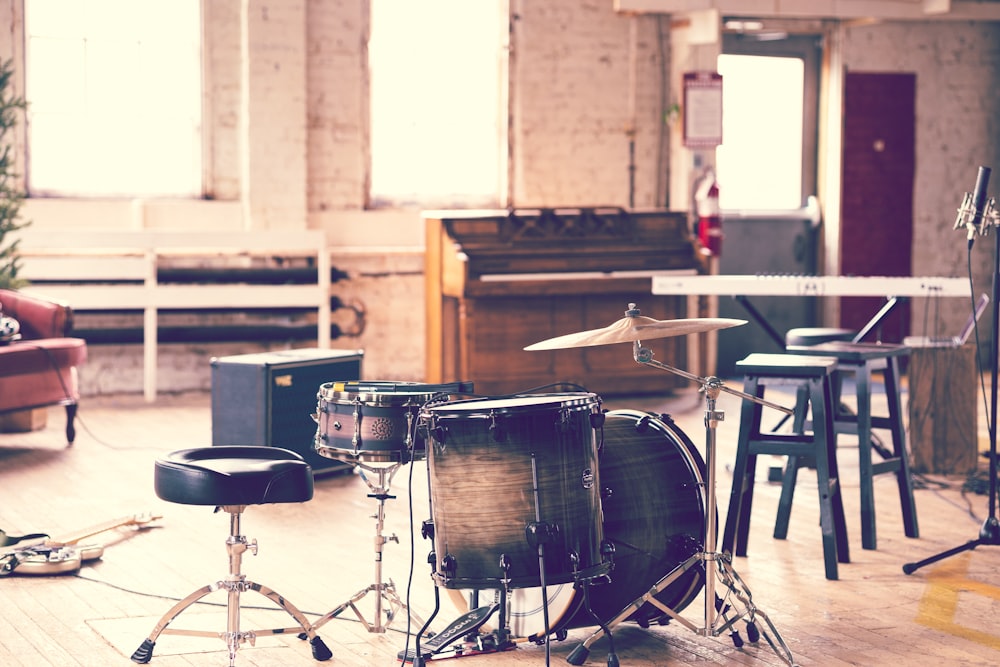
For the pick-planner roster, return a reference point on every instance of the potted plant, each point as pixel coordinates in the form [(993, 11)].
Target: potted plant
[(10, 195), (10, 208)]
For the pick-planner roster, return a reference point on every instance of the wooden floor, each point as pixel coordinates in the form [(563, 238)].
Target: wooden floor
[(319, 554)]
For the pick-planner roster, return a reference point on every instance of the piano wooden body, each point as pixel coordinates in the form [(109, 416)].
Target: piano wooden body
[(497, 281)]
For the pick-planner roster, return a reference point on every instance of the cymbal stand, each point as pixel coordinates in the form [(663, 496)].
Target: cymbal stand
[(386, 592), (721, 613)]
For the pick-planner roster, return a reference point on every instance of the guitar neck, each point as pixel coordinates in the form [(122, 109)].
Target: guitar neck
[(75, 538)]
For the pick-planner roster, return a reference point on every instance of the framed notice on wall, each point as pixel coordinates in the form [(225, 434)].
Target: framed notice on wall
[(702, 109)]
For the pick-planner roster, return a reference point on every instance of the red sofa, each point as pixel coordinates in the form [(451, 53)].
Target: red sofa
[(39, 369)]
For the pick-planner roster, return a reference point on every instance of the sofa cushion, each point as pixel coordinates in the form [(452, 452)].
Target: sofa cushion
[(33, 356)]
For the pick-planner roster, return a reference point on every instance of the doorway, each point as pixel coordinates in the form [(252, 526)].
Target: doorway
[(879, 165), (767, 172)]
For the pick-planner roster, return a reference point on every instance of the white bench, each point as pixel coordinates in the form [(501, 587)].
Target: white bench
[(109, 270)]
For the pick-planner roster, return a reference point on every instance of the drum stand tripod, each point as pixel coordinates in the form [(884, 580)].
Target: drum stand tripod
[(384, 591), (721, 613)]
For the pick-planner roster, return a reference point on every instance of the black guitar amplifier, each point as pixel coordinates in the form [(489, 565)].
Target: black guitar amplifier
[(269, 398)]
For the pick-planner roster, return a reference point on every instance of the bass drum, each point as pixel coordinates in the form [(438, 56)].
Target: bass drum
[(652, 480)]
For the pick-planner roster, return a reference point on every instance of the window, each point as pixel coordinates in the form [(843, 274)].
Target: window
[(435, 116), (768, 155), (114, 97), (762, 116)]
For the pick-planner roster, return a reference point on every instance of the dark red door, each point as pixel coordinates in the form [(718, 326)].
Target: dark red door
[(878, 172)]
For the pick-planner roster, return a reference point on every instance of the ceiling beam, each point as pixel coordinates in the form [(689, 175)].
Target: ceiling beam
[(901, 10)]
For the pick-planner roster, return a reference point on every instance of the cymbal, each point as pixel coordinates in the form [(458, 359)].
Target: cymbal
[(634, 327)]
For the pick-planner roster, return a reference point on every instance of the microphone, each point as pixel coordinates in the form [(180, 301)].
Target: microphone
[(974, 207)]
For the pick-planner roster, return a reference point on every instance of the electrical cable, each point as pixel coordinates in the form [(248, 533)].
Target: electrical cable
[(207, 603)]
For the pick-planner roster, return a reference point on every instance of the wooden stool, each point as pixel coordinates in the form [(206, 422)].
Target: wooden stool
[(232, 478), (813, 374), (863, 359)]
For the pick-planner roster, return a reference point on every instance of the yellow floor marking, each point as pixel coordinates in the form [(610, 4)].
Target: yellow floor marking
[(940, 602)]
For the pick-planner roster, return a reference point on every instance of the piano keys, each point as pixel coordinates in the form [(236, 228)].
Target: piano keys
[(765, 285), (896, 289)]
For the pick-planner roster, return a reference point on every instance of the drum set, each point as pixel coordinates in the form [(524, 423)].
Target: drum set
[(571, 515)]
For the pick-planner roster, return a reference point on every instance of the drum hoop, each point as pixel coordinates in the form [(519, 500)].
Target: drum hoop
[(579, 400), (376, 393)]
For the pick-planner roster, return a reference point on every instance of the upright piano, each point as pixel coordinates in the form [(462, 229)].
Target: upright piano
[(497, 281)]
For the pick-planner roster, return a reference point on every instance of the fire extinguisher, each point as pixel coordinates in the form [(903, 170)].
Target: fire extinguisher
[(709, 215)]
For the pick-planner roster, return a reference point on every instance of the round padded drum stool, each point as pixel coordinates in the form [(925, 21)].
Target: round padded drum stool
[(231, 478)]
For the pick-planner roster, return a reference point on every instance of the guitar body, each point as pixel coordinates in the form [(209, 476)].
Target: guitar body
[(48, 557), (45, 561)]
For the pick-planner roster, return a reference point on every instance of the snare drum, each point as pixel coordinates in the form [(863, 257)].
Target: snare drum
[(371, 422), (508, 475)]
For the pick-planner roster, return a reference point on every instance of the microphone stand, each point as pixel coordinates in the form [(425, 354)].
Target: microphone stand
[(989, 532)]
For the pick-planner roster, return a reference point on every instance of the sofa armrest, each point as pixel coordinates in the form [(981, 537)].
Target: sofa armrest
[(39, 317)]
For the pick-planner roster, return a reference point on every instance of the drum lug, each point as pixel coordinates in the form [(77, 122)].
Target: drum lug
[(438, 434), (494, 427), (448, 565), (597, 420), (608, 551), (505, 568), (356, 440), (564, 422), (642, 425), (408, 438), (427, 529), (540, 533)]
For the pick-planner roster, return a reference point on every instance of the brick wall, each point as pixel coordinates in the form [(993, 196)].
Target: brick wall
[(570, 77), (957, 67), (286, 130)]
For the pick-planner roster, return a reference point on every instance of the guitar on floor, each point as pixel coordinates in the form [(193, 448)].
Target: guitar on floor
[(38, 554)]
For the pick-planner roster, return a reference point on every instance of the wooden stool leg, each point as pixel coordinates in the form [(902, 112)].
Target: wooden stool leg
[(788, 481), (904, 479), (837, 498), (863, 377), (864, 416), (831, 519), (791, 474), (741, 497)]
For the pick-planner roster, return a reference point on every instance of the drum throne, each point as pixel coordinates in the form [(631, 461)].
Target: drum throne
[(231, 478)]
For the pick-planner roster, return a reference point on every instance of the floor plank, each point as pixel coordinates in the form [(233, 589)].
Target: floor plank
[(318, 554)]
